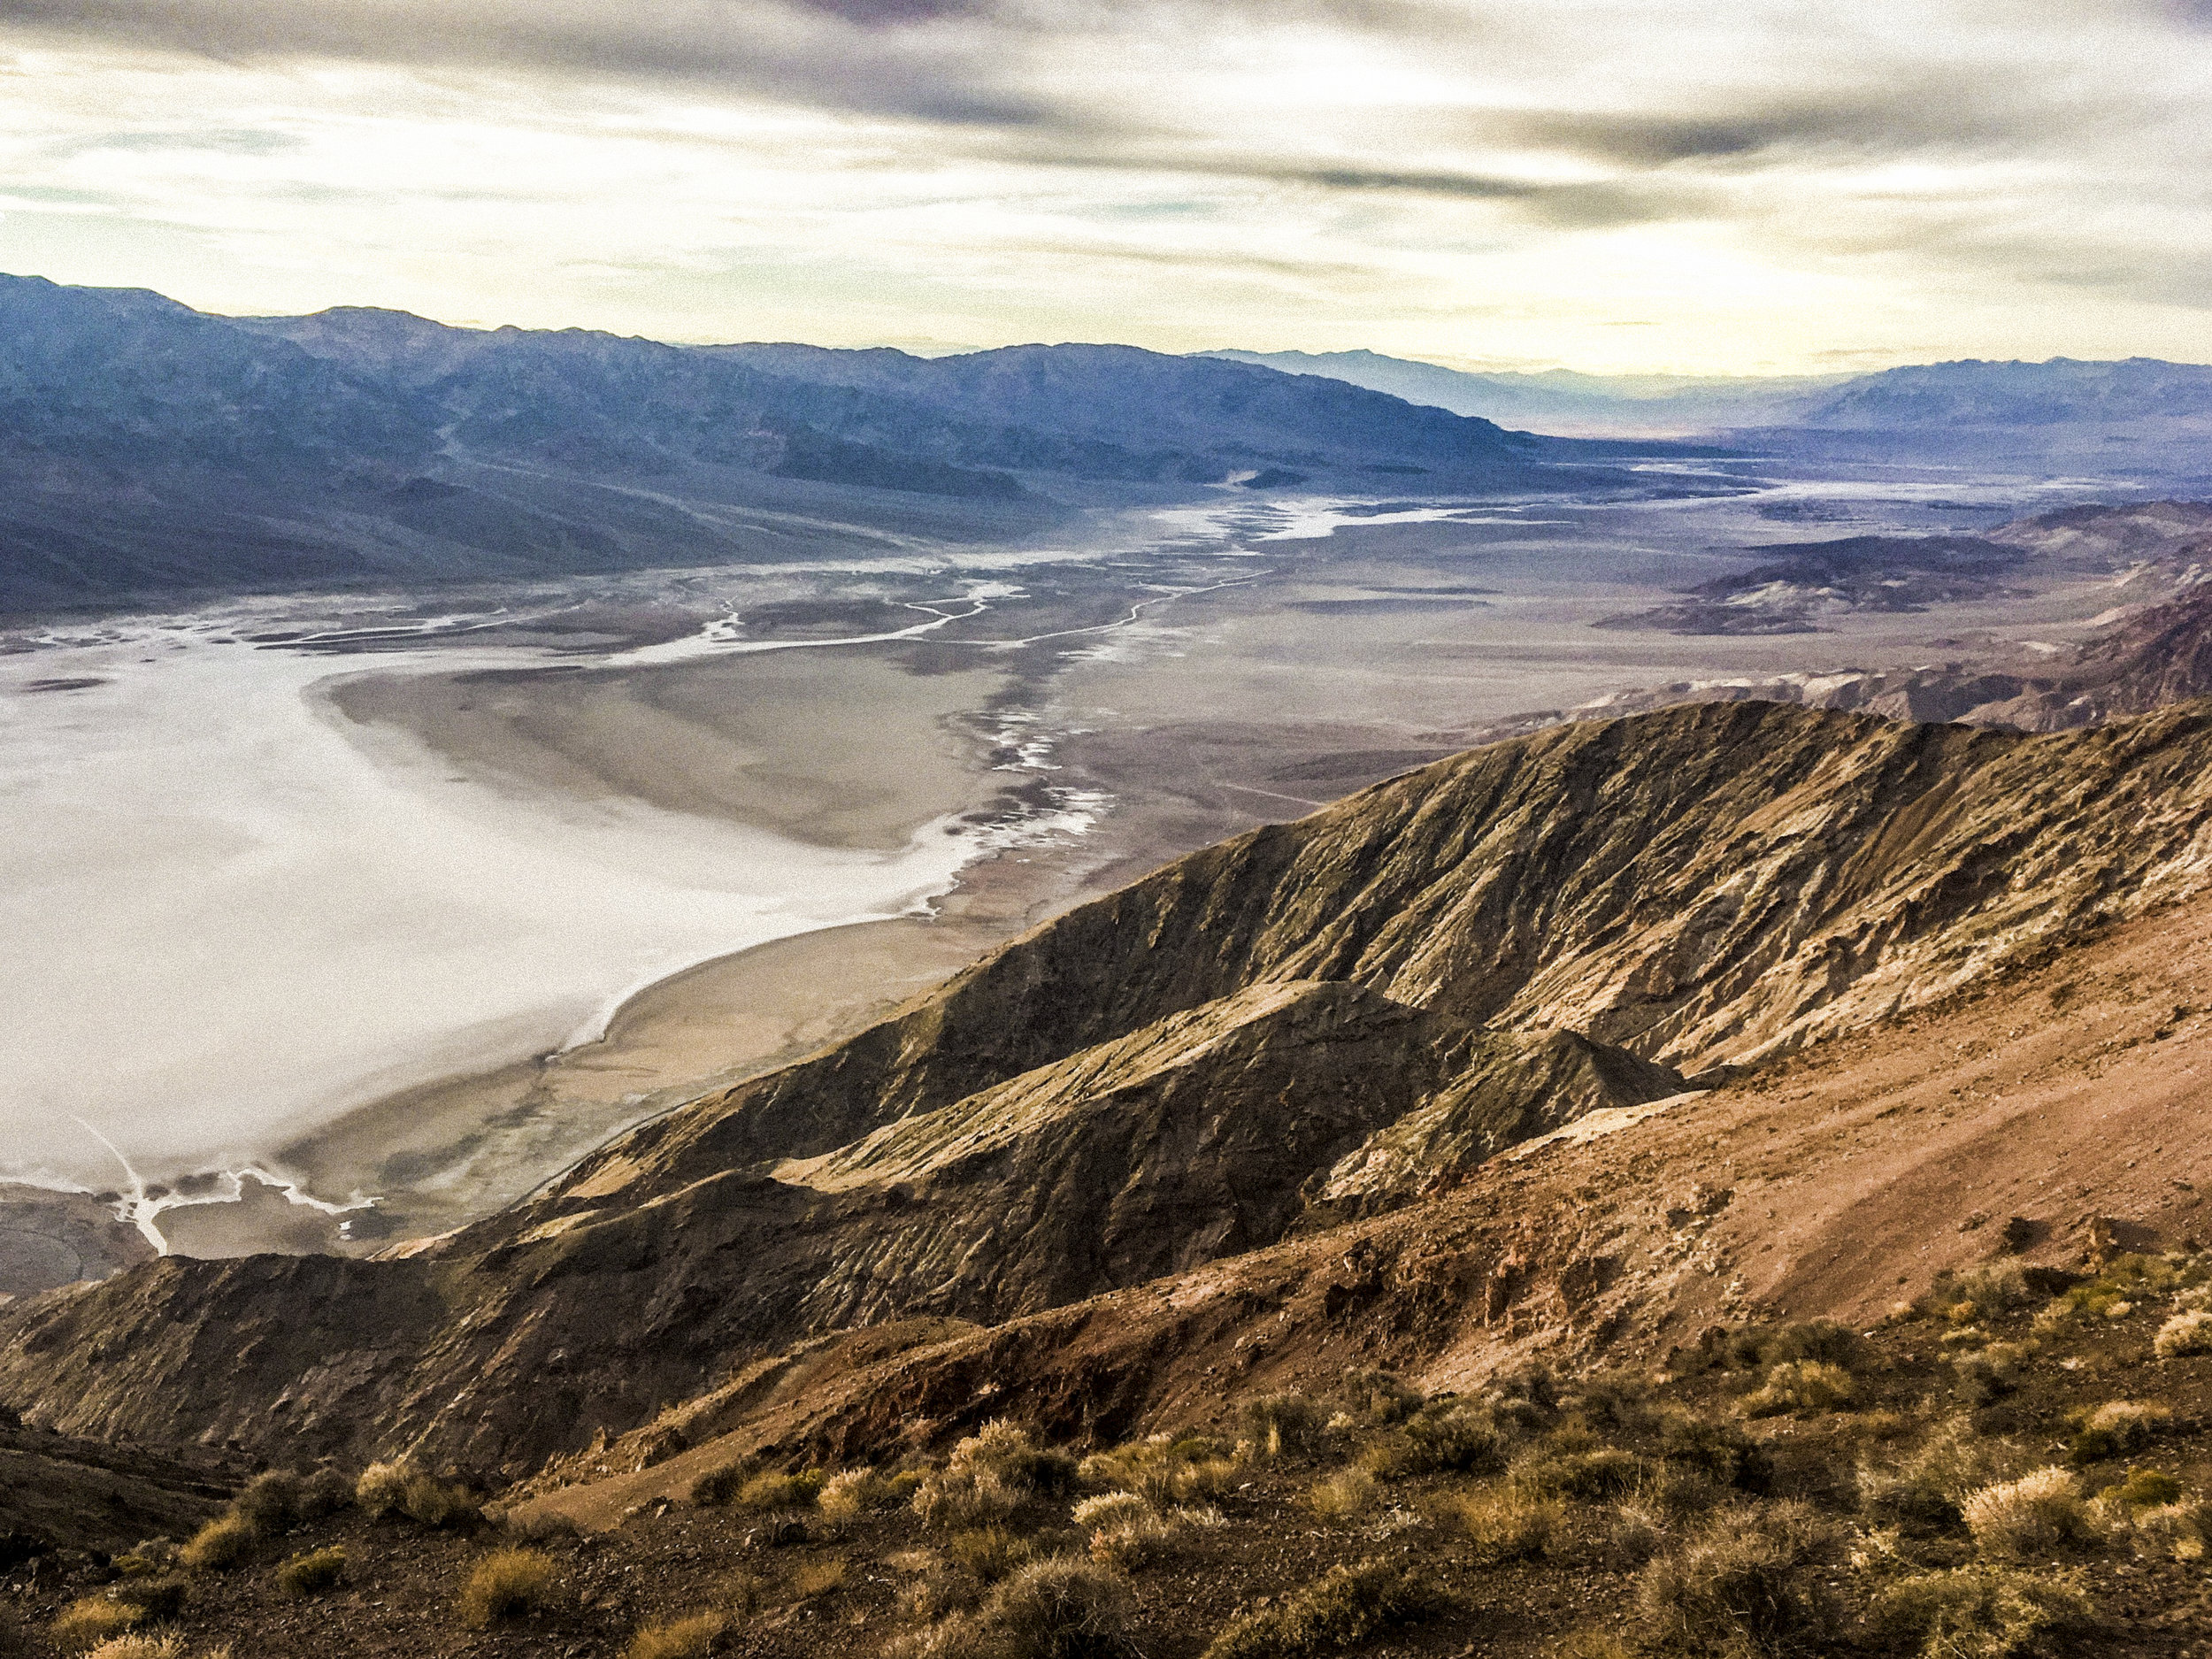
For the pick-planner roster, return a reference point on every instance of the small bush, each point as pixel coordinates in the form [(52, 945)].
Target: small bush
[(689, 1638), (1720, 1451), (1506, 1523), (140, 1645), (1457, 1435), (988, 1476), (853, 1493), (311, 1572), (270, 1502), (382, 1486), (1059, 1608), (2032, 1516), (1742, 1583), (1802, 1384), (1288, 1424), (1343, 1497), (1139, 1541), (773, 1490), (1378, 1398), (990, 1552), (964, 1499), (507, 1584), (438, 1503), (1980, 1294), (323, 1493), (1979, 1612), (1347, 1605), (2183, 1333), (2115, 1429), (224, 1543), (1597, 1472), (2143, 1489), (2179, 1531), (156, 1599), (1991, 1372), (718, 1487), (1929, 1483), (818, 1579), (89, 1621)]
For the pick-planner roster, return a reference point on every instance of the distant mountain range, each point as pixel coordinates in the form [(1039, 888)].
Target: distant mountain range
[(2139, 416), (148, 447), (1561, 400)]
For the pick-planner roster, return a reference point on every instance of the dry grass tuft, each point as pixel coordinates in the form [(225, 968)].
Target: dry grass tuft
[(2115, 1429), (91, 1620), (225, 1542), (2032, 1516), (988, 1476), (1347, 1605), (2184, 1333), (1743, 1583), (1929, 1483), (692, 1636), (1802, 1384), (1979, 1612), (1345, 1495), (311, 1572), (1507, 1523), (139, 1645), (1288, 1424), (508, 1583)]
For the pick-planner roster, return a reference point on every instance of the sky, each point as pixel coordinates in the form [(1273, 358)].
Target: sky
[(1736, 186)]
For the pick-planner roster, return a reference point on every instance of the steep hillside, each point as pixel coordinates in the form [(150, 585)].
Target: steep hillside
[(1313, 1021)]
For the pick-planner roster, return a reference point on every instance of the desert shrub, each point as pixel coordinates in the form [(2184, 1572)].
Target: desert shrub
[(1526, 1399), (90, 1620), (1056, 1608), (988, 1476), (507, 1584), (2124, 1282), (1564, 1468), (1137, 1542), (224, 1543), (2180, 1530), (143, 1645), (1616, 1400), (853, 1493), (2184, 1333), (1743, 1583), (1928, 1484), (1802, 1385), (1458, 1435), (1110, 1509), (311, 1572), (2115, 1429), (1378, 1398), (1287, 1423), (145, 1558), (2032, 1516), (1757, 1348), (1991, 1372), (692, 1636), (2143, 1489), (821, 1578), (159, 1598), (772, 1490), (1720, 1451), (717, 1486), (1507, 1523), (990, 1552), (382, 1486), (1344, 1496), (270, 1502), (322, 1493), (1985, 1293), (438, 1503), (1346, 1605), (1979, 1612), (1163, 1468)]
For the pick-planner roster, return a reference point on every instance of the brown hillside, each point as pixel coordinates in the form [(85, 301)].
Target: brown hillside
[(1306, 1022)]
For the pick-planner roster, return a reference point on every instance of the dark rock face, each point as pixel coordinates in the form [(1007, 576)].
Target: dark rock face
[(1314, 1020)]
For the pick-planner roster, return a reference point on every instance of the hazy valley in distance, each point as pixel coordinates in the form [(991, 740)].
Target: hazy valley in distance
[(429, 839)]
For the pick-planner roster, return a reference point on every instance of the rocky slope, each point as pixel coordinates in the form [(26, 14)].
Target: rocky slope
[(1315, 1020)]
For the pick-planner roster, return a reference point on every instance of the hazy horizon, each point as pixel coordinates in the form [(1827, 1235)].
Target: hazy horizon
[(1605, 186)]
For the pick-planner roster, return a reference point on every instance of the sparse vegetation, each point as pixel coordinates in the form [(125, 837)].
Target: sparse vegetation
[(1059, 1608), (2040, 1512), (311, 1572), (2189, 1332), (1743, 1583), (1505, 1522), (1345, 1495), (224, 1543), (91, 1620), (1287, 1424), (508, 1583), (692, 1637), (1802, 1384), (2116, 1429), (1979, 1612), (988, 1476), (1349, 1604)]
